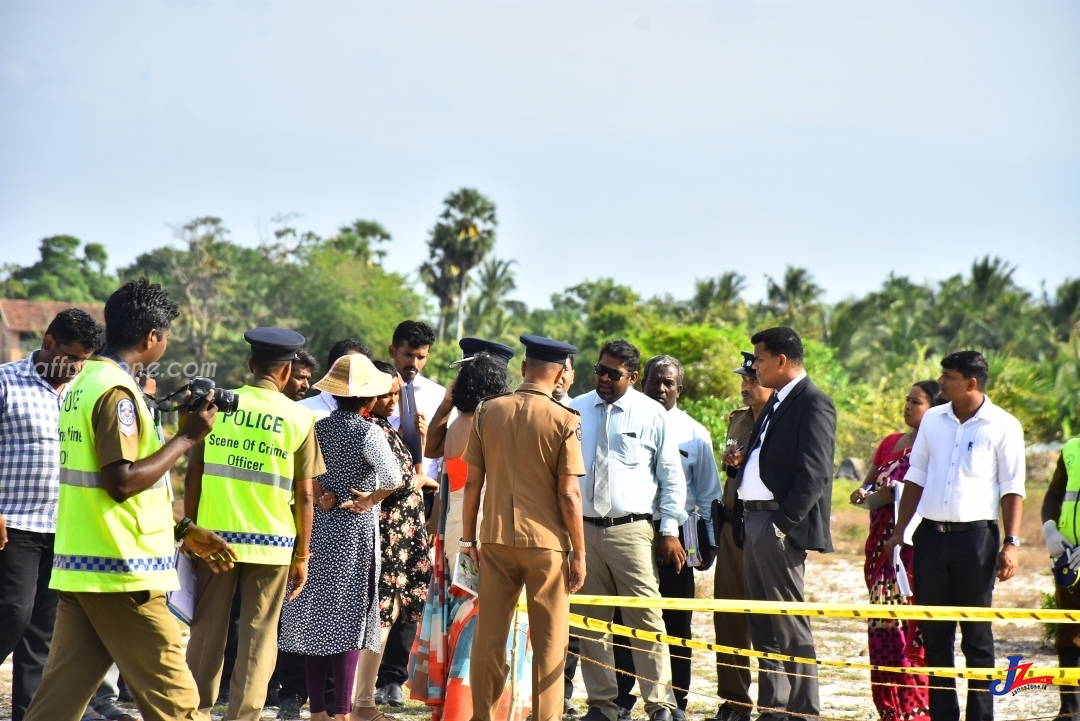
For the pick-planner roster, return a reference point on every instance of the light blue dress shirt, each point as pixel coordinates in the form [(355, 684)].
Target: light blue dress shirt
[(698, 464), (645, 472)]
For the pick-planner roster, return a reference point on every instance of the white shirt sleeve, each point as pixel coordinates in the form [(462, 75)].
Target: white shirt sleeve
[(919, 460), (1011, 463)]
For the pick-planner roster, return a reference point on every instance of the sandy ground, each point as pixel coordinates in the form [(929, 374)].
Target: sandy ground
[(838, 577)]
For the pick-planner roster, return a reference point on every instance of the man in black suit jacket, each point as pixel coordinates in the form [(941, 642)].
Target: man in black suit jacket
[(785, 484)]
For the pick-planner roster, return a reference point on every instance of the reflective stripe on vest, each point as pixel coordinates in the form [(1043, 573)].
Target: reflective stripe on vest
[(248, 468), (103, 546), (1068, 523)]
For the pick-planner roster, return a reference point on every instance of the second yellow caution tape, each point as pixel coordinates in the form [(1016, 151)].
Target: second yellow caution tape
[(1057, 676), (837, 610)]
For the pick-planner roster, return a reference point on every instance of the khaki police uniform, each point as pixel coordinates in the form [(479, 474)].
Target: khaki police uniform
[(261, 575), (733, 684), (523, 442), (113, 563)]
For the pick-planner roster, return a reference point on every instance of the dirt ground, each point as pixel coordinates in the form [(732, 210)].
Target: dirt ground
[(838, 577)]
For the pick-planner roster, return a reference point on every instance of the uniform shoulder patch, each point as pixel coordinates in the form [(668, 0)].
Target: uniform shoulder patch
[(125, 416)]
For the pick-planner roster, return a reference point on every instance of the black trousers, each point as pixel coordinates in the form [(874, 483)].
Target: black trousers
[(677, 623), (394, 667), (27, 611), (571, 664), (957, 569)]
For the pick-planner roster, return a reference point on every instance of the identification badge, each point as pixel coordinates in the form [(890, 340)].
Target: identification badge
[(125, 414)]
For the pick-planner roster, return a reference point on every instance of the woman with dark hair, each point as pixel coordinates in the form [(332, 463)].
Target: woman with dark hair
[(439, 665), (336, 614), (898, 696), (406, 566)]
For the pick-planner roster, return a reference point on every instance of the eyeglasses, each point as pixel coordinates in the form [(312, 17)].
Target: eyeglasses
[(611, 373)]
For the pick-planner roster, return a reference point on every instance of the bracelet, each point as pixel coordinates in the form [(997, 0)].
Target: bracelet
[(181, 528), (302, 558), (462, 543)]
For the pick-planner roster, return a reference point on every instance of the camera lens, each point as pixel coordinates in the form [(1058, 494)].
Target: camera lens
[(226, 401)]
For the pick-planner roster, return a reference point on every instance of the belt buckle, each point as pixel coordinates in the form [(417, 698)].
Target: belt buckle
[(606, 522)]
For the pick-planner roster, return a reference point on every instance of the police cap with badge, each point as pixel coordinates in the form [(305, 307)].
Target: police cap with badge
[(470, 347), (747, 367)]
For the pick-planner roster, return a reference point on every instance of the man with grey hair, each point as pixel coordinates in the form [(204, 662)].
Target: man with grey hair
[(664, 384)]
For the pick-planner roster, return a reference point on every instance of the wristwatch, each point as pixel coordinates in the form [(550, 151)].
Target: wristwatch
[(1014, 540), (462, 543)]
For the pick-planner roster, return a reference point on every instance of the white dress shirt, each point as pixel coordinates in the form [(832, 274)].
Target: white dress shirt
[(321, 405), (752, 488), (429, 395), (698, 463), (965, 468), (644, 471)]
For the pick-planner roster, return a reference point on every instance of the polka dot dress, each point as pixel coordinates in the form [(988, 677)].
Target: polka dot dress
[(338, 608)]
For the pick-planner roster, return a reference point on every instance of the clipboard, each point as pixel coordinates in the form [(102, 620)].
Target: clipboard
[(181, 603)]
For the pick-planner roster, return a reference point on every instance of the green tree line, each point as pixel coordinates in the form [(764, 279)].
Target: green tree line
[(864, 351)]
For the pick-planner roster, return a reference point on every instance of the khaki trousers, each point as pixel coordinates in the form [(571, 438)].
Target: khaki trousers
[(545, 575), (621, 561), (262, 591), (133, 629), (732, 629)]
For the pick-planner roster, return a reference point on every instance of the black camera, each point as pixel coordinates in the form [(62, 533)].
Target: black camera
[(189, 397)]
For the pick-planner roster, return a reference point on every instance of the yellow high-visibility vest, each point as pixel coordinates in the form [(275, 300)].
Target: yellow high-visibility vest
[(248, 470), (103, 546), (1068, 523)]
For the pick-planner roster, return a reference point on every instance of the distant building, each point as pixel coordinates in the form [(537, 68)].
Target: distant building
[(23, 323)]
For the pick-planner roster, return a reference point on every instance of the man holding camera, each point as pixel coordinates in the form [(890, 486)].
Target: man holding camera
[(240, 482), (113, 554)]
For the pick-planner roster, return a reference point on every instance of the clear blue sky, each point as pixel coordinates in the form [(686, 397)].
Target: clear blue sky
[(654, 142)]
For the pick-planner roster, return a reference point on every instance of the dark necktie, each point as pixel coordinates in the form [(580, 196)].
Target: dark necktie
[(409, 434), (764, 425)]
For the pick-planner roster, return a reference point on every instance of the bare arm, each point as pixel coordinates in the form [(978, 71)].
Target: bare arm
[(303, 509), (193, 481), (470, 509), (909, 503), (1012, 508), (122, 479), (570, 507)]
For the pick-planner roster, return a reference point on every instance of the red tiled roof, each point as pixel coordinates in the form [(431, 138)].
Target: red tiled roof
[(34, 316)]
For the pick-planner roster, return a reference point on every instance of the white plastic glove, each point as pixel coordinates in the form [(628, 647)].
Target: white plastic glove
[(1055, 542)]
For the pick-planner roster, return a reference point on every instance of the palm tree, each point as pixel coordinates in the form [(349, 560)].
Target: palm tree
[(359, 239), (720, 296), (797, 298), (490, 307), (463, 236)]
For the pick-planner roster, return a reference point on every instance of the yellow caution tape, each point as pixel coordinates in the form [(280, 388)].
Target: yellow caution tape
[(1058, 676), (837, 610)]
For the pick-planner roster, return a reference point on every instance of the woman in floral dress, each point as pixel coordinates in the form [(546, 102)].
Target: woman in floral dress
[(406, 565), (897, 696)]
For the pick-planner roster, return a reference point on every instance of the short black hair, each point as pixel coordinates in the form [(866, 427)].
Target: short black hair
[(135, 309), (268, 367), (75, 326), (305, 359), (970, 364), (932, 390), (414, 332), (343, 348), (484, 376), (388, 368), (781, 341), (625, 351), (663, 361), (570, 360)]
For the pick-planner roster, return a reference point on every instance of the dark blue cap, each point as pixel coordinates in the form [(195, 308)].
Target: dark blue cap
[(747, 367), (471, 346), (545, 349), (274, 344)]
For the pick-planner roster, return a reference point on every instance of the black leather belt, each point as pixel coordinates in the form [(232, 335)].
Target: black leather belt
[(760, 506), (954, 527), (609, 522)]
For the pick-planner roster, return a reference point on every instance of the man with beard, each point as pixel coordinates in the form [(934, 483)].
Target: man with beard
[(303, 367)]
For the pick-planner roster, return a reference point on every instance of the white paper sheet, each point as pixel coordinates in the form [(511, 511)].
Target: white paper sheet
[(182, 602)]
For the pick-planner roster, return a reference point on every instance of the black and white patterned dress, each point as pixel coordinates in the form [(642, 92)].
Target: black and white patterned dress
[(338, 609)]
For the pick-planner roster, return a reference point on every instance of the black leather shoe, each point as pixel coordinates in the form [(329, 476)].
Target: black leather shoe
[(394, 696), (660, 714), (728, 712), (289, 708), (380, 696), (594, 714), (678, 714), (569, 710)]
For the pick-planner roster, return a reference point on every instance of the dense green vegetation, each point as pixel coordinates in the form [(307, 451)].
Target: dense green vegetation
[(864, 351)]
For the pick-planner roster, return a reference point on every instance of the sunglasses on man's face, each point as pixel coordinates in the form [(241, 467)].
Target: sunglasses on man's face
[(611, 373)]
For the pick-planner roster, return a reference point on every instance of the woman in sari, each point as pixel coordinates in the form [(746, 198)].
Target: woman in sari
[(439, 663), (897, 696)]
